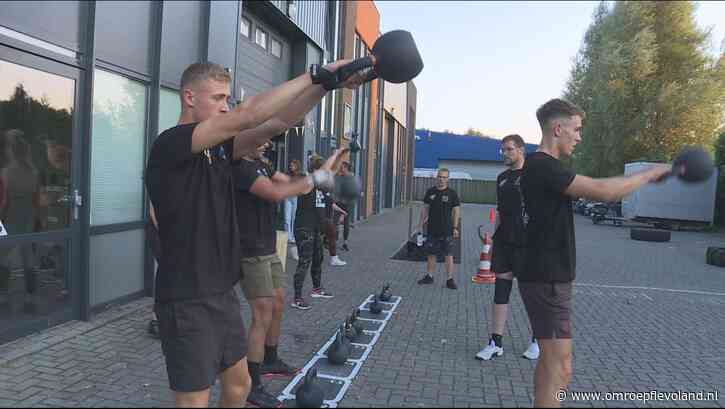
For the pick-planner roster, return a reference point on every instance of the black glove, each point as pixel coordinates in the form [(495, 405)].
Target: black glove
[(320, 75), (333, 80)]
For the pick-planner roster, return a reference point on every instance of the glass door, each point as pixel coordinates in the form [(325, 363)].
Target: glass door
[(39, 194)]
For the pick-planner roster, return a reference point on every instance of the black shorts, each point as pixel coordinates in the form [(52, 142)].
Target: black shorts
[(506, 258), (201, 338), (549, 308), (439, 246)]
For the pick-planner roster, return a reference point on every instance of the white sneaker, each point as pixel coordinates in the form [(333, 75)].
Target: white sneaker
[(532, 352), (335, 261), (490, 351), (293, 252)]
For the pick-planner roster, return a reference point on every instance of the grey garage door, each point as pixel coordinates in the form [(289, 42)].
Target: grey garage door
[(259, 68)]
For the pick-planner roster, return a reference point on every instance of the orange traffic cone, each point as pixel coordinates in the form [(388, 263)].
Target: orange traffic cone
[(484, 275)]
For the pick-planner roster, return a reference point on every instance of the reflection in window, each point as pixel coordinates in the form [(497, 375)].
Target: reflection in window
[(169, 109), (36, 127), (117, 151), (34, 282)]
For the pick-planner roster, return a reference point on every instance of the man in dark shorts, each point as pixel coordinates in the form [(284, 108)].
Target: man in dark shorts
[(507, 253), (442, 213), (190, 183), (260, 188), (545, 281)]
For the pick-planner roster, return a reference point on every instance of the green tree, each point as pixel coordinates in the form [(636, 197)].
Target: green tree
[(647, 84)]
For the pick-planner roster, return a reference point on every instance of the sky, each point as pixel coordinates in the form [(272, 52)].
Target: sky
[(490, 65)]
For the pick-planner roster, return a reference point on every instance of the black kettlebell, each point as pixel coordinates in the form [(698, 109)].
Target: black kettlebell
[(309, 394), (355, 322), (693, 164), (350, 331), (339, 351), (386, 294), (354, 146), (375, 306), (348, 188)]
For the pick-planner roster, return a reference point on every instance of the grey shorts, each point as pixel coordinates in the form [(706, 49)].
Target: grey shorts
[(549, 308), (200, 339)]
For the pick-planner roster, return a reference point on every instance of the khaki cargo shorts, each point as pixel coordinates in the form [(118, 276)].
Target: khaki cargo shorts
[(261, 276)]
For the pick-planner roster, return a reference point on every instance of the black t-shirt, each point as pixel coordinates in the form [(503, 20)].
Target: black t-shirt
[(508, 194), (193, 196), (440, 213), (310, 210), (329, 212), (254, 214), (550, 242)]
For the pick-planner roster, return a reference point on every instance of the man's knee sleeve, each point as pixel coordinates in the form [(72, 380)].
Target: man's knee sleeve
[(502, 291)]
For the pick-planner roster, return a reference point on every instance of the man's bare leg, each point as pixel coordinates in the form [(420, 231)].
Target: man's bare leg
[(553, 372), (236, 383)]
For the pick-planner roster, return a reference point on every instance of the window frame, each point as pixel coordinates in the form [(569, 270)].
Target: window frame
[(257, 30), (248, 34), (271, 47)]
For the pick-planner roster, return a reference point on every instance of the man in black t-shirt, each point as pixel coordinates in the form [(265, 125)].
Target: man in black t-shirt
[(545, 281), (442, 213), (309, 219), (260, 188), (190, 183), (508, 241)]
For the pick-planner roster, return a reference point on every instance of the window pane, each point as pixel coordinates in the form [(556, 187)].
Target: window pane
[(276, 48), (261, 38), (244, 27), (36, 128), (169, 109), (348, 121), (117, 151)]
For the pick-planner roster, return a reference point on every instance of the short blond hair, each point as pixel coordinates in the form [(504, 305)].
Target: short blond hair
[(443, 170), (203, 71)]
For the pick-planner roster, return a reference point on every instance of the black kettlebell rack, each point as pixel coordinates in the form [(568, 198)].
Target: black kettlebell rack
[(335, 380)]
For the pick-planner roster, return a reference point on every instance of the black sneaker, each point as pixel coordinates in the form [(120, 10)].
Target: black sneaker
[(321, 293), (427, 279), (451, 284), (261, 399), (277, 368), (300, 304), (344, 247), (154, 328)]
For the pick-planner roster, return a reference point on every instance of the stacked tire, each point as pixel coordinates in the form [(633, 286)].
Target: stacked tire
[(715, 256)]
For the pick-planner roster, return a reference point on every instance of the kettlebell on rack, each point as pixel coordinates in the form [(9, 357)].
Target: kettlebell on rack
[(339, 351), (309, 394), (386, 294), (350, 331), (375, 306), (356, 322)]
